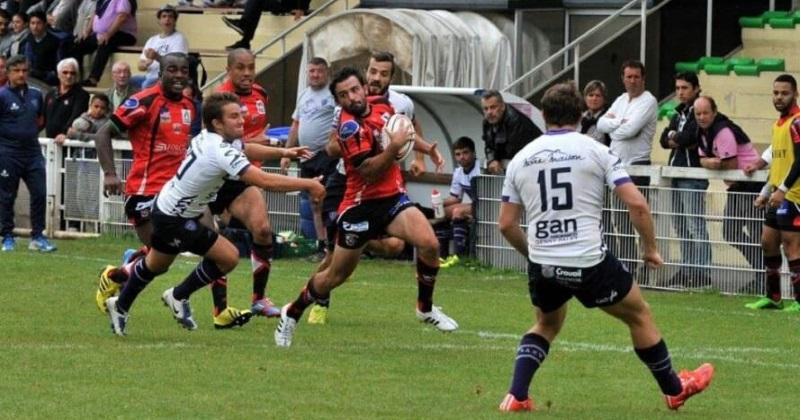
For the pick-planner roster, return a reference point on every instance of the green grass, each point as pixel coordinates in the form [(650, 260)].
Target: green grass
[(373, 360)]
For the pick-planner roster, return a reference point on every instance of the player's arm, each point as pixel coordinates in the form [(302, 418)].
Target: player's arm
[(259, 152), (291, 141), (421, 148), (791, 178), (105, 155), (332, 148), (635, 120), (508, 221), (639, 212), (374, 167), (275, 182)]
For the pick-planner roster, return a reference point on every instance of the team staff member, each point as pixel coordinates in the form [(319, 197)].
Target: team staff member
[(562, 197), (21, 157)]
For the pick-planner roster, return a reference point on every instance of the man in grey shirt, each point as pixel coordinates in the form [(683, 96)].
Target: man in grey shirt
[(311, 127)]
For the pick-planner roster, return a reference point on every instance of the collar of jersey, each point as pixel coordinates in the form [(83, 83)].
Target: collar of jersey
[(559, 131)]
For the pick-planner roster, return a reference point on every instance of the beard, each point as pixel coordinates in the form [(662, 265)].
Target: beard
[(357, 108)]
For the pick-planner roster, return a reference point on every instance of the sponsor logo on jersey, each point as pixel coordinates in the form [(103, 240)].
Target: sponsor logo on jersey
[(190, 225), (569, 274), (356, 227), (260, 107), (130, 103), (548, 231), (13, 107), (350, 239), (173, 149), (608, 299), (164, 115), (187, 116), (348, 129), (549, 156)]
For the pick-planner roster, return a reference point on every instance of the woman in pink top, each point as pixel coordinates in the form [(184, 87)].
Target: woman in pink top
[(114, 25), (724, 145)]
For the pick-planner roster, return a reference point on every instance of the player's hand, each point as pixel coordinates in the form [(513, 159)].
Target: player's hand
[(436, 158), (653, 259), (285, 163), (495, 168), (60, 139), (316, 190), (776, 198), (302, 152), (417, 166), (111, 184), (760, 202), (102, 39), (400, 137)]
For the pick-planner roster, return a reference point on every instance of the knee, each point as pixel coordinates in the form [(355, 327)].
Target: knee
[(227, 262), (262, 234), (429, 246)]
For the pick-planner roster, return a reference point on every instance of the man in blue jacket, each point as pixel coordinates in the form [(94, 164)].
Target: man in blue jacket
[(20, 155)]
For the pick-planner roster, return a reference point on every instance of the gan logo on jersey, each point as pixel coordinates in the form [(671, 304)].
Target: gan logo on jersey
[(348, 129)]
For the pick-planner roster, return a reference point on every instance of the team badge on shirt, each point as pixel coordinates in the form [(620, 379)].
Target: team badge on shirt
[(260, 107), (130, 103), (187, 116), (164, 115), (348, 129)]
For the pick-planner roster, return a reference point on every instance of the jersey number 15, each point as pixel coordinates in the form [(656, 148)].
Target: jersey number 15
[(555, 184)]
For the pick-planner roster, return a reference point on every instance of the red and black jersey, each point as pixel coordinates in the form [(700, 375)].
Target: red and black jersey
[(159, 129), (360, 138), (254, 110)]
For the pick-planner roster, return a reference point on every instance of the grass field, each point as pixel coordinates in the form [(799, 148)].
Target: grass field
[(373, 360)]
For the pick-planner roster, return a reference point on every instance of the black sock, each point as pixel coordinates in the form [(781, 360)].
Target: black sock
[(794, 275), (658, 361), (531, 352), (219, 294), (773, 269), (460, 232), (138, 278), (443, 233), (261, 258), (426, 280), (307, 296), (205, 272)]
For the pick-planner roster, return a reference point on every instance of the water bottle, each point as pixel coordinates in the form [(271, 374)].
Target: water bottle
[(438, 204)]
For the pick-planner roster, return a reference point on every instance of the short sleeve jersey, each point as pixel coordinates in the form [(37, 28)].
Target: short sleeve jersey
[(254, 110), (209, 162), (462, 182), (401, 103), (360, 138), (560, 179), (159, 129)]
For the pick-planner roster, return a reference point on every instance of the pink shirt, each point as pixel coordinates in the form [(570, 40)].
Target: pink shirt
[(102, 24), (725, 147)]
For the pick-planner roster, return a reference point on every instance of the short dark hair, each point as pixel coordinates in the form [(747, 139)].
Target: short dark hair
[(632, 64), (787, 78), (175, 54), (384, 57), (167, 8), (562, 104), (38, 14), (16, 60), (493, 93), (4, 14), (212, 107), (688, 77), (342, 75), (318, 61), (464, 143), (101, 97), (22, 15), (233, 54), (710, 100)]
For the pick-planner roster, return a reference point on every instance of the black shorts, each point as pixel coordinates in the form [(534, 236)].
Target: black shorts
[(788, 216), (225, 196), (173, 235), (771, 217), (601, 285), (138, 208), (368, 220), (320, 164)]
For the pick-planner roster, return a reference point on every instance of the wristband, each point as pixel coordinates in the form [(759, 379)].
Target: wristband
[(783, 188)]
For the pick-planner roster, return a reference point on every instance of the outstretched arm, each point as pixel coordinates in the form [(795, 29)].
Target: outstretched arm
[(105, 154)]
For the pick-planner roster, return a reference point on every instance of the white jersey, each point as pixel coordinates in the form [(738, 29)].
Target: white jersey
[(209, 161), (462, 182), (560, 179), (401, 103)]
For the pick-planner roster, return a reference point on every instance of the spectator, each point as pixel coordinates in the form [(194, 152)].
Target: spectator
[(594, 98), (246, 26), (505, 131), (688, 196), (83, 20), (85, 127), (61, 14), (458, 213), (3, 74), (122, 88), (723, 145), (41, 49), (113, 26), (167, 41), (631, 124), (312, 122), (21, 156), (19, 31), (6, 37), (66, 103)]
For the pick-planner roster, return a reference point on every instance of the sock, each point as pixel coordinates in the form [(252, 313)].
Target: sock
[(138, 277), (307, 296), (120, 274), (794, 275), (773, 269), (443, 235), (531, 352), (219, 294), (261, 261), (426, 279), (460, 232), (205, 272), (657, 360)]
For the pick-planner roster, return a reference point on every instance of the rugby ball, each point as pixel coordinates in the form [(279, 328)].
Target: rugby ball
[(398, 122)]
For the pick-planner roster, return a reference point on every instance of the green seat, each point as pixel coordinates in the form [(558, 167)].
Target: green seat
[(671, 113), (666, 108), (711, 60), (722, 68), (746, 69), (796, 16), (688, 66), (769, 14), (751, 22), (771, 64), (735, 61), (785, 22)]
